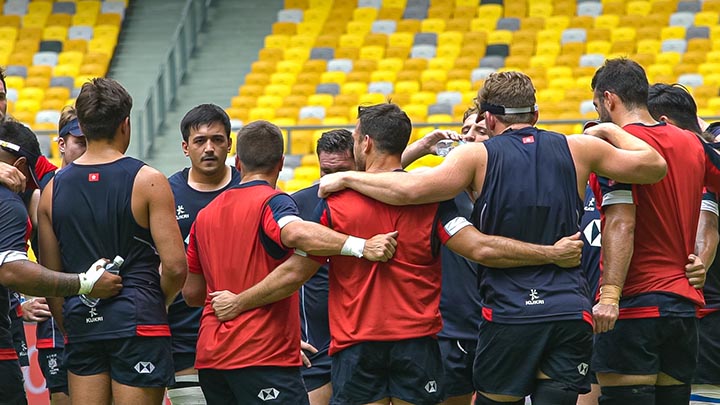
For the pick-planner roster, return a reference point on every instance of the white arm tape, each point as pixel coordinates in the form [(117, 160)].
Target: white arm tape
[(617, 197), (91, 276), (287, 219), (353, 247), (709, 206), (9, 256)]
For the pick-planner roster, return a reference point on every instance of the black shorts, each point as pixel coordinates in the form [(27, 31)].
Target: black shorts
[(708, 364), (410, 370), (509, 356), (12, 386), (254, 385), (135, 361), (458, 356), (319, 373), (51, 365), (648, 346)]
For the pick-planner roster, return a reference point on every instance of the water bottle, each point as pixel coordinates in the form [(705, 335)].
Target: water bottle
[(112, 267)]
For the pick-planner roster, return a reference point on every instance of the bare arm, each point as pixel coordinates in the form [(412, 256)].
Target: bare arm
[(500, 252), (440, 183), (427, 145), (618, 239), (620, 156), (195, 291), (319, 240), (279, 284), (154, 190), (706, 240)]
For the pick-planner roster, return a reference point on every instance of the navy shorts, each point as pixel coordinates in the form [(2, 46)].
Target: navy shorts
[(458, 356), (319, 373), (509, 356), (410, 370), (253, 385), (51, 365), (649, 346), (18, 336), (708, 364), (12, 386), (136, 361)]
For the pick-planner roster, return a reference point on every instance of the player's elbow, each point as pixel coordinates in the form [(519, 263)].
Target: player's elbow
[(175, 271), (193, 297), (485, 255)]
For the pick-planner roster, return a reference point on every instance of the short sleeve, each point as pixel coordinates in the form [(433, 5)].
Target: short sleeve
[(193, 258), (449, 221), (614, 192)]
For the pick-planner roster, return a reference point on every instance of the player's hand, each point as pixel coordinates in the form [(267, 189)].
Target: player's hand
[(310, 348), (108, 285), (331, 183), (225, 305), (12, 178), (380, 248), (568, 251), (36, 310), (604, 317), (695, 272), (603, 130), (429, 141)]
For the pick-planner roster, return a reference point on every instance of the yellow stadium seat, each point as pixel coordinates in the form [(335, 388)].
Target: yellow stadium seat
[(365, 65), (315, 15), (372, 52), (383, 76), (623, 47), (423, 97), (106, 31), (31, 93), (55, 33), (345, 100), (667, 58), (349, 53), (284, 28), (517, 62), (550, 35), (286, 66), (57, 93), (447, 52), (435, 25), (298, 54), (287, 79), (648, 46), (38, 7), (599, 47), (102, 45), (277, 41), (24, 116), (712, 57), (35, 20), (259, 113), (63, 20), (548, 48), (655, 70), (237, 113), (460, 85), (38, 82), (540, 9), (260, 79), (357, 88), (87, 7), (71, 70), (401, 39), (392, 64), (376, 40), (545, 61), (500, 37), (324, 100), (700, 45), (109, 19), (277, 90), (609, 21), (365, 14), (309, 28), (361, 28), (84, 19), (640, 8), (27, 105), (41, 70), (99, 58), (407, 87), (351, 40), (712, 79), (246, 102), (261, 66), (672, 32), (79, 45), (20, 58), (707, 18), (358, 77), (273, 102), (623, 34), (333, 77), (371, 99), (390, 13), (706, 69)]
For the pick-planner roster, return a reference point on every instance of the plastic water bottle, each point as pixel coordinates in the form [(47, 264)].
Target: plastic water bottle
[(112, 267)]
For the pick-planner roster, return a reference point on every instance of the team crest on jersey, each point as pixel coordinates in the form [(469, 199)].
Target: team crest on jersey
[(93, 177), (52, 362), (93, 316), (534, 298), (180, 213), (592, 233)]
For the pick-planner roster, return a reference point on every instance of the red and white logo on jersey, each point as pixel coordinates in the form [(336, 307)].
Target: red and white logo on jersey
[(94, 177), (529, 139)]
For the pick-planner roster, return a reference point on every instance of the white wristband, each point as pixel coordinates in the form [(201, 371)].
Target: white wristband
[(353, 247), (91, 276)]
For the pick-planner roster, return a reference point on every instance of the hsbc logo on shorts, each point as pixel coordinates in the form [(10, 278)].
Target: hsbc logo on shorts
[(583, 368), (144, 367), (431, 386), (268, 394)]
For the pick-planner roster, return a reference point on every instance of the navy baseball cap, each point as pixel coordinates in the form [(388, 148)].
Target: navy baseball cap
[(71, 128)]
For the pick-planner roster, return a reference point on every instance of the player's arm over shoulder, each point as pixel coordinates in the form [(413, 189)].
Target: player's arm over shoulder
[(627, 160)]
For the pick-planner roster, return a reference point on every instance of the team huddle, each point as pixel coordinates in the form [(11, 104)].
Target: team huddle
[(481, 280)]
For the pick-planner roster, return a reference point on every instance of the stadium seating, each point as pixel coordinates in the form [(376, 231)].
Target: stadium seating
[(51, 48)]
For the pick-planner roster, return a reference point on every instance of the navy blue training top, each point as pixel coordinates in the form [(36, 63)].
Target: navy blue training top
[(460, 304), (92, 218), (185, 321), (314, 324), (590, 231), (530, 194)]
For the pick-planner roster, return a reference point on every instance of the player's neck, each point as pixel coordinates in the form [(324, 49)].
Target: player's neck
[(209, 182), (100, 151), (383, 163), (634, 116), (267, 177)]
